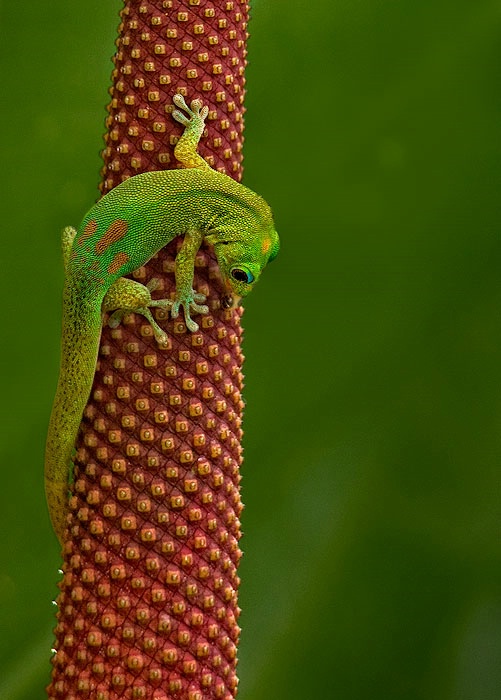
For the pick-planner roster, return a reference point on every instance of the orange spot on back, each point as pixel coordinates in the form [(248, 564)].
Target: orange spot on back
[(118, 261), (89, 230), (115, 231)]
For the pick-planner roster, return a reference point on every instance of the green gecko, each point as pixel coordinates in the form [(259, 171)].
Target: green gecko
[(121, 232)]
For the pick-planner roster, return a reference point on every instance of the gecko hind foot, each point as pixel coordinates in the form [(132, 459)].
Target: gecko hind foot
[(196, 112), (117, 316), (128, 296)]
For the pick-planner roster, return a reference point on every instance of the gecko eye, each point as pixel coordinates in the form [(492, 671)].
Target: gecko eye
[(242, 274)]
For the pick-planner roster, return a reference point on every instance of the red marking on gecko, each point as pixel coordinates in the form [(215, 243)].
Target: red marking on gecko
[(118, 261), (89, 230), (115, 231)]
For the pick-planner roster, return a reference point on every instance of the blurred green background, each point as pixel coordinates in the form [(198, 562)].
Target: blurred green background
[(372, 563)]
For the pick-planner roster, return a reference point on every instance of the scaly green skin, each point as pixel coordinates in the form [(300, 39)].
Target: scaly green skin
[(122, 232)]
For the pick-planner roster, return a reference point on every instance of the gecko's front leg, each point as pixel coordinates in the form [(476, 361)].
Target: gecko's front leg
[(128, 296), (186, 296)]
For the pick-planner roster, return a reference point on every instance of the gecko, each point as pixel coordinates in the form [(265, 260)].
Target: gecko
[(119, 234)]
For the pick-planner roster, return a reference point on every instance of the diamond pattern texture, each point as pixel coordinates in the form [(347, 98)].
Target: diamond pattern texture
[(148, 600)]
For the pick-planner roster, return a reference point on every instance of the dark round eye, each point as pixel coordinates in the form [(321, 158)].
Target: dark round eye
[(242, 275)]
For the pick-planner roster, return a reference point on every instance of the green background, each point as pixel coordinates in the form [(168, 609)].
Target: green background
[(372, 563)]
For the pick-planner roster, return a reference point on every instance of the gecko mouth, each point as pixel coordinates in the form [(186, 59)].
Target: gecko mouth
[(227, 301), (230, 301)]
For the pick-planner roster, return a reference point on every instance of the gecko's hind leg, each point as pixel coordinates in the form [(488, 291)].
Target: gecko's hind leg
[(126, 296), (194, 123)]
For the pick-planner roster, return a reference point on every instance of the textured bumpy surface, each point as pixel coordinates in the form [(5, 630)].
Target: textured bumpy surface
[(191, 47), (148, 602)]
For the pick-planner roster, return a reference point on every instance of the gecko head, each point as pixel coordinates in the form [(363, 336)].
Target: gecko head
[(241, 262)]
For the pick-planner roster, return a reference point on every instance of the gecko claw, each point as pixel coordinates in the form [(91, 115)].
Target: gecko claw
[(191, 325), (200, 298), (179, 101), (180, 117), (200, 308)]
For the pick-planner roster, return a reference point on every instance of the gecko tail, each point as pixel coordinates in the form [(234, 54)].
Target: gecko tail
[(79, 349)]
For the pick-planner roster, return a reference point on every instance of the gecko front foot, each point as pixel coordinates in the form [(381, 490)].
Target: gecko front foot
[(127, 296), (191, 303)]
